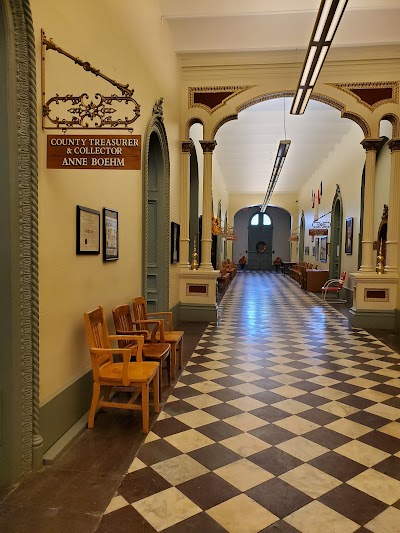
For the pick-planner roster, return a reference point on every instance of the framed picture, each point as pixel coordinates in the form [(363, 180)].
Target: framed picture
[(87, 230), (316, 249), (348, 245), (307, 250), (175, 235), (110, 235), (323, 253)]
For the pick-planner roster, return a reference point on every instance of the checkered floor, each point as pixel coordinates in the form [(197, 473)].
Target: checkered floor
[(285, 419)]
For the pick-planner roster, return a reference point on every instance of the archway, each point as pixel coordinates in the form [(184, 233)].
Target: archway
[(156, 214), (21, 443), (336, 235), (260, 242)]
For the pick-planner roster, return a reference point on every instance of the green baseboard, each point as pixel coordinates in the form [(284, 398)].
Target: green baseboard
[(176, 313), (198, 312), (397, 319), (59, 414), (372, 319)]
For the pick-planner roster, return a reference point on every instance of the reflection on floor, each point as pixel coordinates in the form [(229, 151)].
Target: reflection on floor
[(285, 419)]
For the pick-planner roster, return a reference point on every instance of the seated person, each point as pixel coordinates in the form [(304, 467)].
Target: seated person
[(277, 262)]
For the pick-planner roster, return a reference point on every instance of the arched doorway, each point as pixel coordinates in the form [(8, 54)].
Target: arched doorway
[(156, 213), (260, 242), (20, 443), (336, 235)]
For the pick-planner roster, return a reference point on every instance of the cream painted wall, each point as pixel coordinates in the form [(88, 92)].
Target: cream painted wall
[(131, 45), (382, 183), (343, 166)]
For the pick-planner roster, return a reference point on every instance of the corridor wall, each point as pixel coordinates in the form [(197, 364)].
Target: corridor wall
[(128, 42)]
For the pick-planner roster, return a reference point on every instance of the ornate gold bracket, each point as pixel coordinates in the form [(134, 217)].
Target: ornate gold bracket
[(86, 112)]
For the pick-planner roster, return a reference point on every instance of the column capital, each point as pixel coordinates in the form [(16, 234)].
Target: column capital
[(371, 144), (187, 146), (208, 146), (394, 145)]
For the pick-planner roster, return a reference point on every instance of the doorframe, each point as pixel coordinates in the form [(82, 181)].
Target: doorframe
[(22, 443), (156, 125), (302, 234), (337, 199)]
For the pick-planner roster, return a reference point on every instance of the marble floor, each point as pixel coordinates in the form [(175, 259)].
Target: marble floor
[(285, 419)]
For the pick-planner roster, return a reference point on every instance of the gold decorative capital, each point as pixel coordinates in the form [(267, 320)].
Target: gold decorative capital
[(371, 144), (208, 146), (394, 145), (187, 147)]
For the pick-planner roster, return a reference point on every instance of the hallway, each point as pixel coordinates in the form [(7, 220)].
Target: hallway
[(285, 419)]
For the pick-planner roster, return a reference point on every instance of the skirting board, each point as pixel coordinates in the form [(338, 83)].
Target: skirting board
[(198, 312), (372, 319), (59, 414)]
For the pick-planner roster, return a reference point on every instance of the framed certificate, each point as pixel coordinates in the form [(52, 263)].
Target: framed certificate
[(110, 235), (87, 230)]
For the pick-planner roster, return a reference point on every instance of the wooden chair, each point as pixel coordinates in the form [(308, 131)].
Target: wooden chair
[(166, 334), (152, 351), (127, 376)]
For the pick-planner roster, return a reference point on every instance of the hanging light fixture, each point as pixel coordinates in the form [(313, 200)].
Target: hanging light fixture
[(279, 160), (328, 18)]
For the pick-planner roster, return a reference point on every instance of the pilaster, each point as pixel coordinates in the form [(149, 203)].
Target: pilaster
[(392, 242), (206, 240), (185, 203), (371, 146)]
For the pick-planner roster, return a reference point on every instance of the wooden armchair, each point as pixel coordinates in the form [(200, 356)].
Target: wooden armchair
[(167, 334), (153, 350), (127, 376)]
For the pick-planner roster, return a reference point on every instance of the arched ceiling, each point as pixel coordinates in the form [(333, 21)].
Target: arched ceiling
[(247, 147)]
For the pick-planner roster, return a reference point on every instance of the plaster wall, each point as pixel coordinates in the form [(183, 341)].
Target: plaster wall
[(382, 184), (343, 166), (131, 45)]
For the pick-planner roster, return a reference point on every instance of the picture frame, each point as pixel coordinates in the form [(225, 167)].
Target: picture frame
[(175, 237), (316, 249), (87, 230), (323, 253), (110, 235), (348, 243), (307, 250)]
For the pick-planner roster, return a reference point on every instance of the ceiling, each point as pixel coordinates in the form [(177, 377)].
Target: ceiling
[(247, 147)]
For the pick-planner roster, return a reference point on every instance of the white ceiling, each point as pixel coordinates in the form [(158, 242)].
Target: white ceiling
[(247, 147)]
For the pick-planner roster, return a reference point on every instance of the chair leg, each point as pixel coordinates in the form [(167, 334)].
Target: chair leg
[(169, 367), (173, 359), (156, 393), (95, 401), (180, 352), (145, 407)]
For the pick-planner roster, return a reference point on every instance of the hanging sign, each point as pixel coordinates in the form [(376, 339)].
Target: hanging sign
[(317, 232), (116, 152)]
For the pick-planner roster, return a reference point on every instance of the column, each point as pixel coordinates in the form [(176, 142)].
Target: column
[(206, 240), (392, 243), (370, 146), (185, 203)]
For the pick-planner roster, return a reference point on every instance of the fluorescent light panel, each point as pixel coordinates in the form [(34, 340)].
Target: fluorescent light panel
[(328, 18), (279, 160)]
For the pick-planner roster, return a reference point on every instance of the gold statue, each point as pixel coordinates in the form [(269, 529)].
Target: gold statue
[(194, 265), (380, 266)]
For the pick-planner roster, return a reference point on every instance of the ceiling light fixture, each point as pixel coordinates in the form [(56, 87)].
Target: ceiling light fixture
[(328, 18), (279, 160)]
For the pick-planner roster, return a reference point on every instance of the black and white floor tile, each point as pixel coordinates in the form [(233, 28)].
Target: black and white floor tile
[(285, 419)]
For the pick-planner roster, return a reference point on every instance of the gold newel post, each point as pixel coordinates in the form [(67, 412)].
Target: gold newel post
[(380, 266), (194, 265)]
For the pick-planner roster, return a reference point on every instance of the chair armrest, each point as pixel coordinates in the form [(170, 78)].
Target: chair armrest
[(126, 357), (329, 282), (158, 325), (138, 348), (143, 332), (167, 314)]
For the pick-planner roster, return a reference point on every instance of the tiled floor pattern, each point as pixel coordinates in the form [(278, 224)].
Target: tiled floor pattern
[(285, 419)]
